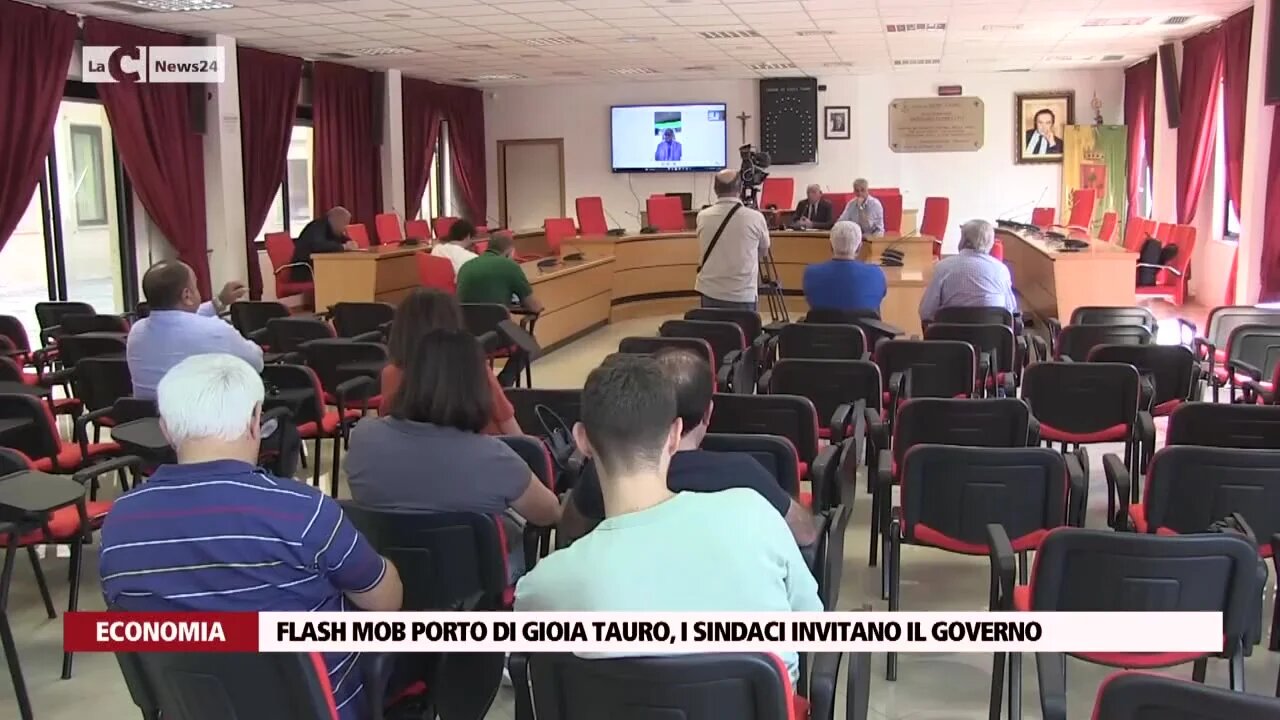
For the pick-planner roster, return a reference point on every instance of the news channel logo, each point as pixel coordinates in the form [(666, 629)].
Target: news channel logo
[(153, 64)]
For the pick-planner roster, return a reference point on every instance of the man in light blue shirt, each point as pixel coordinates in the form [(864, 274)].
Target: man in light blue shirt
[(972, 278), (180, 326), (864, 210), (657, 550)]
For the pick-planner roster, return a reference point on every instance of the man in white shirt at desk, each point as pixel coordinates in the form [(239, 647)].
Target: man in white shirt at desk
[(732, 239), (865, 210), (180, 326)]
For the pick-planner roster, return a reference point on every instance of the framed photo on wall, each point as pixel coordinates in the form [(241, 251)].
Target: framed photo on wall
[(1038, 119), (836, 123)]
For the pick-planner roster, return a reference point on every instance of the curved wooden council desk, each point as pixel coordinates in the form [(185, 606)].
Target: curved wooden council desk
[(1053, 283)]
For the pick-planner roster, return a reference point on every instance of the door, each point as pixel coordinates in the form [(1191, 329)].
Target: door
[(530, 182)]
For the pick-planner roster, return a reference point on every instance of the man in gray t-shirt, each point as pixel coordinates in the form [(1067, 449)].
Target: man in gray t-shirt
[(730, 276)]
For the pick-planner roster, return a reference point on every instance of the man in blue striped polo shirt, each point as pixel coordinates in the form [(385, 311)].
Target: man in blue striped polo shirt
[(217, 533)]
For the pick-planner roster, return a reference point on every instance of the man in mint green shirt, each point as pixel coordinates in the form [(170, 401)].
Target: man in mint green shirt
[(657, 550)]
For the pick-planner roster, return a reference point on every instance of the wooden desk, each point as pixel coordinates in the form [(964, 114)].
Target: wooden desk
[(909, 219), (382, 273), (1053, 284), (576, 294), (690, 218)]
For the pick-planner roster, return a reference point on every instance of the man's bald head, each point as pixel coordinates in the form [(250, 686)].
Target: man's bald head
[(691, 376), (727, 183), (170, 285)]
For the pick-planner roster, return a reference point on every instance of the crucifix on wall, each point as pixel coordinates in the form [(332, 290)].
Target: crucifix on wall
[(743, 117)]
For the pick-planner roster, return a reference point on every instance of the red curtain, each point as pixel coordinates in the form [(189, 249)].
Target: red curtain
[(1198, 96), (422, 117), (347, 158), (268, 104), (1139, 116), (152, 129), (464, 110), (1271, 241), (35, 52), (1237, 32)]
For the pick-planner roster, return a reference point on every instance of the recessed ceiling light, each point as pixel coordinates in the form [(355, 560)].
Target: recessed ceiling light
[(182, 5), (556, 40), (814, 33), (1177, 19), (772, 66), (914, 27), (337, 55), (1110, 58), (917, 61), (837, 64), (679, 2), (569, 73), (1115, 21), (699, 68), (637, 38), (728, 34), (397, 15), (377, 51), (500, 76), (1002, 28), (476, 46)]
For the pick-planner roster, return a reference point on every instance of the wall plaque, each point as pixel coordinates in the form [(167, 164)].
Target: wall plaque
[(942, 124)]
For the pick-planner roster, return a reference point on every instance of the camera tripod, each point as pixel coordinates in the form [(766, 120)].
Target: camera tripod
[(770, 281)]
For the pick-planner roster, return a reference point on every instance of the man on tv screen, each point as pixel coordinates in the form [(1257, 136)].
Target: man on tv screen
[(668, 149)]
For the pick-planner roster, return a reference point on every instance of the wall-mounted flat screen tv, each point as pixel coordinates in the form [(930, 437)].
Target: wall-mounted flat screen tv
[(668, 138)]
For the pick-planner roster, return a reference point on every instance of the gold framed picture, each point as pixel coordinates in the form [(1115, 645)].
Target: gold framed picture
[(1038, 119)]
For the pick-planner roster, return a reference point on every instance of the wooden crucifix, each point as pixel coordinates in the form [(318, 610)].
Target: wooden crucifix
[(743, 117)]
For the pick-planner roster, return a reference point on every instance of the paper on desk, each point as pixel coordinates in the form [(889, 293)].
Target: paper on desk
[(912, 275)]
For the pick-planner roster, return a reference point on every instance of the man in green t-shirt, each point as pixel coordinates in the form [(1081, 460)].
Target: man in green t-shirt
[(493, 277)]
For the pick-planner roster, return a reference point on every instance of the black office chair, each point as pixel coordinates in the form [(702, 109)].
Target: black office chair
[(286, 335), (350, 372), (1170, 373), (482, 318), (366, 321), (776, 454), (648, 345), (79, 324), (1211, 348), (534, 452), (749, 320), (250, 317), (999, 362), (868, 320), (987, 315), (1114, 315), (925, 368), (1143, 696), (100, 382), (1253, 353), (789, 416), (1076, 341), (298, 387), (567, 404), (822, 341), (737, 363), (1228, 426), (49, 315)]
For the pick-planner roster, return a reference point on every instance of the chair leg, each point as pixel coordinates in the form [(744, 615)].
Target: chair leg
[(894, 565), (1015, 686), (337, 461), (6, 634), (1198, 670), (40, 582), (73, 599), (315, 464), (997, 686), (302, 454), (1023, 565), (1235, 670), (875, 523), (1274, 644)]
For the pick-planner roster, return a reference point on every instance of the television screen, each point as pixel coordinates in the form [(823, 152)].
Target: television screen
[(668, 138)]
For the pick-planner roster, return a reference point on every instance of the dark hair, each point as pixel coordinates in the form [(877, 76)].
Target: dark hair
[(691, 376), (461, 230), (420, 312), (499, 242), (163, 283), (628, 406), (444, 383), (1044, 111)]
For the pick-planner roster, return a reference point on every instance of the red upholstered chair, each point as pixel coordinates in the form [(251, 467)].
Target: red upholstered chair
[(280, 252), (315, 421), (1136, 232), (892, 202), (441, 225), (1138, 695), (839, 201), (1043, 217), (665, 213), (590, 212), (934, 222), (358, 234), (885, 191), (417, 230), (557, 230), (39, 440), (1172, 280), (779, 192), (387, 226), (997, 250), (1082, 205), (1163, 232), (437, 272), (1108, 231)]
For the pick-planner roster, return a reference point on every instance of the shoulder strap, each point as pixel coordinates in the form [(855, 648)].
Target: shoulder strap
[(716, 238)]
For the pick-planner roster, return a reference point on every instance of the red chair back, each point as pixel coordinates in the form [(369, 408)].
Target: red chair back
[(997, 250), (418, 230), (838, 201), (1163, 233), (665, 213), (441, 225), (556, 230), (436, 272), (387, 226), (358, 234), (1082, 204), (1043, 217), (885, 191), (1135, 233), (279, 249), (1108, 230), (934, 223), (892, 203), (779, 192), (590, 211)]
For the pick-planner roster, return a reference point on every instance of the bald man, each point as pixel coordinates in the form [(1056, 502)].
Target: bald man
[(323, 235), (731, 239), (814, 212)]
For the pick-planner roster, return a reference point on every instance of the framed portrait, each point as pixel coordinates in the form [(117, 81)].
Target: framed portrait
[(1038, 119), (836, 123)]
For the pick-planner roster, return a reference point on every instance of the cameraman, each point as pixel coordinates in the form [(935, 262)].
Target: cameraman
[(732, 239)]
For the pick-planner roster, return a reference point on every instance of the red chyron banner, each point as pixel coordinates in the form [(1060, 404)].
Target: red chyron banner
[(159, 632)]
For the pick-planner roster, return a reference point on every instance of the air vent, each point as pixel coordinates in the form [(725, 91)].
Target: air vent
[(916, 61), (632, 71), (182, 5), (336, 55), (397, 16), (124, 7), (637, 38), (772, 66), (1115, 21), (1068, 58), (380, 51), (699, 68), (550, 41), (500, 76), (728, 34), (569, 73), (815, 33), (837, 64), (464, 80), (1110, 58), (477, 46), (1002, 28), (914, 27), (1177, 20), (1006, 70)]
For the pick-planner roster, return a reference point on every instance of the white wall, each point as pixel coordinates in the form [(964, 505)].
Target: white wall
[(985, 183)]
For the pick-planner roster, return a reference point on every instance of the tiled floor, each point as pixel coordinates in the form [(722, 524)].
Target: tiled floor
[(939, 687)]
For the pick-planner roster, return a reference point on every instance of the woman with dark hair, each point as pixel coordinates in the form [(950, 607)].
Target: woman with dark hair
[(428, 452), (420, 312)]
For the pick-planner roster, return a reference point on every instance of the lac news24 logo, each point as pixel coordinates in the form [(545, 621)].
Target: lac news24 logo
[(153, 64)]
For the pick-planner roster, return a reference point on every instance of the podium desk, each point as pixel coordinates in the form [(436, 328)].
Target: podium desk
[(1052, 283), (382, 273), (575, 293)]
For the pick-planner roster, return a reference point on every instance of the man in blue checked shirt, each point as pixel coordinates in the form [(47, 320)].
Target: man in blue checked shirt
[(216, 533), (972, 278)]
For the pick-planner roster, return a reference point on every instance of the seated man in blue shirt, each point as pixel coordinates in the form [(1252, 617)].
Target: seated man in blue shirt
[(971, 278), (657, 550), (181, 326), (844, 282), (215, 533)]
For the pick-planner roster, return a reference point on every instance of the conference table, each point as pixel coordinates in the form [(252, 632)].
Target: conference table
[(1052, 283)]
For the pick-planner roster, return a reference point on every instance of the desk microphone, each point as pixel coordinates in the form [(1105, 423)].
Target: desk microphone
[(1007, 213), (612, 219), (892, 256)]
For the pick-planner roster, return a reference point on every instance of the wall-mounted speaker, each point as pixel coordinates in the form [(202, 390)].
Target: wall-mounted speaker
[(1169, 78), (789, 120)]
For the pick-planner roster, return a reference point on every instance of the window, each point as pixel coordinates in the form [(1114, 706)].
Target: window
[(88, 176), (292, 207), (1230, 214), (437, 199)]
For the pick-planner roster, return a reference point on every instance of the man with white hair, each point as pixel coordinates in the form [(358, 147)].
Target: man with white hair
[(732, 239), (814, 212), (864, 209), (972, 278), (215, 533), (844, 282)]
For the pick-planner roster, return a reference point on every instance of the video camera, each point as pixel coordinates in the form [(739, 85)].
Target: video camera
[(753, 173)]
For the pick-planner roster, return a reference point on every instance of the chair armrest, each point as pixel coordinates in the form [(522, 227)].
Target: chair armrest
[(1033, 432), (57, 377), (877, 433), (1077, 490), (375, 671), (518, 667), (818, 476), (986, 370), (1245, 528), (310, 271), (371, 336), (107, 466), (1051, 672), (1146, 429), (1003, 567), (1041, 347), (1166, 268), (1240, 367), (731, 357), (884, 470), (345, 388), (881, 327), (724, 376), (1010, 387), (763, 383), (279, 412), (1118, 486), (1275, 552), (822, 685), (259, 336), (840, 420), (49, 334), (857, 688)]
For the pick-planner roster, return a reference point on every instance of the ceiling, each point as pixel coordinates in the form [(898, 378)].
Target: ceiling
[(499, 42)]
